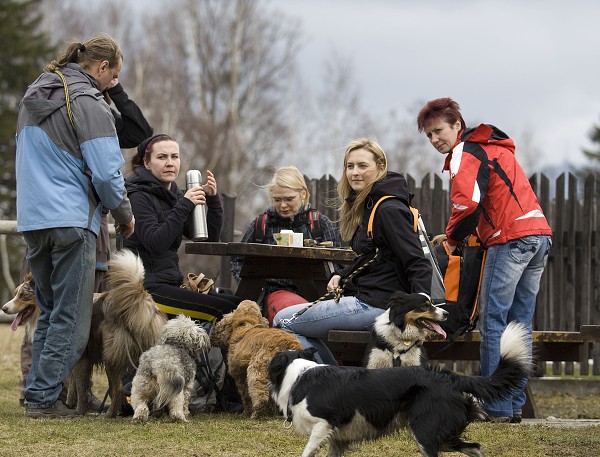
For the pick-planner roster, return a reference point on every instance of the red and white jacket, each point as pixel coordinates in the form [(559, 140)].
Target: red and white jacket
[(491, 196)]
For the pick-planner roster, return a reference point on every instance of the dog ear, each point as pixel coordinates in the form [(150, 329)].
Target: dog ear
[(308, 353), (248, 304), (400, 303), (401, 298), (277, 368)]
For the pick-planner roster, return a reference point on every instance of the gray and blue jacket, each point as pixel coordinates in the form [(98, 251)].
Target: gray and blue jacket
[(66, 173)]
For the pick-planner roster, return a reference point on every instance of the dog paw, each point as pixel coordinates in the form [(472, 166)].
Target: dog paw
[(138, 419), (140, 415), (178, 418)]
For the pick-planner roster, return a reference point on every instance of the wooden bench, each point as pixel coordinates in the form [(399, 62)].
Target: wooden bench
[(349, 347)]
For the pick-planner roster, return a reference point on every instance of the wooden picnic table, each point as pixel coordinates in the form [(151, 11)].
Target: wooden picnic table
[(309, 267)]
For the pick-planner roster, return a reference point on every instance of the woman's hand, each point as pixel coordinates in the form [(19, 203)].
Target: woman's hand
[(210, 188), (196, 195), (438, 239), (333, 283)]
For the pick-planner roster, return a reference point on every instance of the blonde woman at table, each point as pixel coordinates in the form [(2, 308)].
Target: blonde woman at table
[(394, 256), (290, 210), (163, 215)]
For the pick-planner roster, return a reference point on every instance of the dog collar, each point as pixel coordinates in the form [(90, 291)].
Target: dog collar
[(397, 362)]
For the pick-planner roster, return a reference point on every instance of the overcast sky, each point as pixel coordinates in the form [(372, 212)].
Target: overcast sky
[(526, 66)]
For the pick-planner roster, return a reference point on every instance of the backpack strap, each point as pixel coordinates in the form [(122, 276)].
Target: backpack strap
[(314, 218), (413, 210), (260, 227), (415, 213)]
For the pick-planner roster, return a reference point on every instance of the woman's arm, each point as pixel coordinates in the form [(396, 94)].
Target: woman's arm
[(214, 217), (394, 227), (132, 127), (157, 236)]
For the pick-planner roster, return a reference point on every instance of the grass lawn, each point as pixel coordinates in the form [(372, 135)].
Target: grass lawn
[(235, 435)]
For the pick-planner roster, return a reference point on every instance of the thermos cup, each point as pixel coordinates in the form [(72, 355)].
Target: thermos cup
[(199, 232)]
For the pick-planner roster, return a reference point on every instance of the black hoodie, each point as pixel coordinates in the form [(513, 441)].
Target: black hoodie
[(401, 264), (162, 216)]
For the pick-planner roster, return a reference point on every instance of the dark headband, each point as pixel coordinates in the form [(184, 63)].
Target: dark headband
[(141, 149)]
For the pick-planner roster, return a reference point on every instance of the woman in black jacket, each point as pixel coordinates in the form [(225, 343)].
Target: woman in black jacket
[(163, 215), (393, 260)]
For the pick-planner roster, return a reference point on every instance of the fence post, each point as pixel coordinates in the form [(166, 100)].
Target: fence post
[(227, 236)]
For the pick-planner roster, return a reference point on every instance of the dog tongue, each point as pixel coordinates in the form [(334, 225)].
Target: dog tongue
[(17, 321), (436, 328)]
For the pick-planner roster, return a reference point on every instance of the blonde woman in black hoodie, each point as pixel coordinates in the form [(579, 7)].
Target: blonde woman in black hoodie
[(394, 258)]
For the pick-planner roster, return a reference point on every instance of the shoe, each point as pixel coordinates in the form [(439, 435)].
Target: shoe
[(499, 419), (95, 404), (516, 419), (56, 411)]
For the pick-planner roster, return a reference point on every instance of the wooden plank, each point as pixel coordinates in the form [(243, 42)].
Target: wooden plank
[(590, 333), (205, 248), (547, 346), (349, 336), (364, 336)]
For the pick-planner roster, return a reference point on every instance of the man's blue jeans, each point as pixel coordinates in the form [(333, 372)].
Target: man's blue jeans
[(314, 324), (511, 281), (62, 263)]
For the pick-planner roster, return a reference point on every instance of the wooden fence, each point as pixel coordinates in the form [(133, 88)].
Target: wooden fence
[(570, 289)]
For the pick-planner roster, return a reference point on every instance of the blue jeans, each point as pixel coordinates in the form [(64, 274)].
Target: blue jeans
[(511, 281), (62, 262), (314, 324)]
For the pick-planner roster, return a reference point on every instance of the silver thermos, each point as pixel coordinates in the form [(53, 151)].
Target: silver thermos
[(199, 232)]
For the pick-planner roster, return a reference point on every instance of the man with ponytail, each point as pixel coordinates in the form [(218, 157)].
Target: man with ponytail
[(67, 169)]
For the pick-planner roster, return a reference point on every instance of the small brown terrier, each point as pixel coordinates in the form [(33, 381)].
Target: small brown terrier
[(251, 345)]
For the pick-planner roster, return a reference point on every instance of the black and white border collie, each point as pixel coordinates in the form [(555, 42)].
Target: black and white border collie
[(399, 332), (340, 406)]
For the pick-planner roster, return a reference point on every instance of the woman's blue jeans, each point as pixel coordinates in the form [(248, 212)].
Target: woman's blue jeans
[(62, 263), (511, 281), (314, 324)]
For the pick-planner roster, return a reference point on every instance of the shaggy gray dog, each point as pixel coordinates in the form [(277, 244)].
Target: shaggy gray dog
[(165, 375)]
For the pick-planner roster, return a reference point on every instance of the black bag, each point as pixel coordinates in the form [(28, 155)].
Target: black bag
[(209, 384), (214, 389), (462, 272)]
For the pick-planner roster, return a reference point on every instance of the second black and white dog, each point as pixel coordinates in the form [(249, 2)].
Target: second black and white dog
[(344, 405), (399, 332)]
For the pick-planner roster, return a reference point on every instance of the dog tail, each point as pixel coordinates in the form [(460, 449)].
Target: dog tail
[(128, 301), (513, 369), (170, 384), (126, 270)]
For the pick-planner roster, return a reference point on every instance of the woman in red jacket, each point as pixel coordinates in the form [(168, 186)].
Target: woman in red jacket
[(492, 198)]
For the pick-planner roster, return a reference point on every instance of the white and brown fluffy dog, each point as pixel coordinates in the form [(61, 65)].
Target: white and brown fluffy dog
[(251, 344), (340, 406), (125, 322), (165, 375), (399, 332)]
